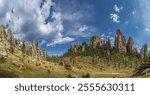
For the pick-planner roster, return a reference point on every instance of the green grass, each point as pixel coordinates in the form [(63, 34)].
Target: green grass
[(82, 67)]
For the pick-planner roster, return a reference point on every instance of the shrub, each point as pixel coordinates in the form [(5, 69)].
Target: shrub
[(48, 71), (86, 76)]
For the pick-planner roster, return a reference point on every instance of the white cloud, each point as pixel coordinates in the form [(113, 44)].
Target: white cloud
[(102, 35), (114, 17), (83, 28), (147, 29), (133, 13), (110, 33), (81, 31), (27, 19), (117, 9), (61, 41)]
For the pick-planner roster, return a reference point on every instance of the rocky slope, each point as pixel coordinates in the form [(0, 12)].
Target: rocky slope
[(10, 45)]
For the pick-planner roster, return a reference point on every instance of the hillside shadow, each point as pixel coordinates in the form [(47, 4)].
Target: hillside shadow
[(7, 74)]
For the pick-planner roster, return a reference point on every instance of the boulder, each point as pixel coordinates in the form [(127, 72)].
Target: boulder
[(146, 71), (143, 69), (20, 65), (68, 66)]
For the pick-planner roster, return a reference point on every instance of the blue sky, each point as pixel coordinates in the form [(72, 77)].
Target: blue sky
[(57, 24)]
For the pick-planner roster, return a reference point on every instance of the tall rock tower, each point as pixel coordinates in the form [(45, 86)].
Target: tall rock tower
[(120, 42), (2, 32), (130, 46), (95, 42), (144, 52), (5, 46)]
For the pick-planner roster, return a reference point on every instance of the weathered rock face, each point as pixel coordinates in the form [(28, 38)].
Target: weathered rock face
[(10, 38), (119, 46), (25, 47), (37, 52), (5, 46), (120, 42), (75, 48), (8, 44), (95, 42), (130, 46), (144, 52), (143, 69)]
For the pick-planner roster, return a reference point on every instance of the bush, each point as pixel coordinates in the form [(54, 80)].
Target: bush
[(7, 74), (72, 76), (69, 76), (48, 71), (86, 76)]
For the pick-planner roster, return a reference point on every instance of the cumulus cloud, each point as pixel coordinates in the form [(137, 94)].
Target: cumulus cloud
[(46, 21), (83, 28), (61, 41), (117, 9), (75, 14), (81, 31), (114, 17), (29, 19)]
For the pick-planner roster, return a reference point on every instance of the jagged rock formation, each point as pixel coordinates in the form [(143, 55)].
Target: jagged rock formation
[(37, 52), (75, 48), (25, 47), (8, 44), (120, 42), (95, 42), (130, 46), (120, 46), (5, 46), (144, 52)]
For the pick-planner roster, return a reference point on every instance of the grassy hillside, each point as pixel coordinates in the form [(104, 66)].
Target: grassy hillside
[(25, 67), (12, 67)]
